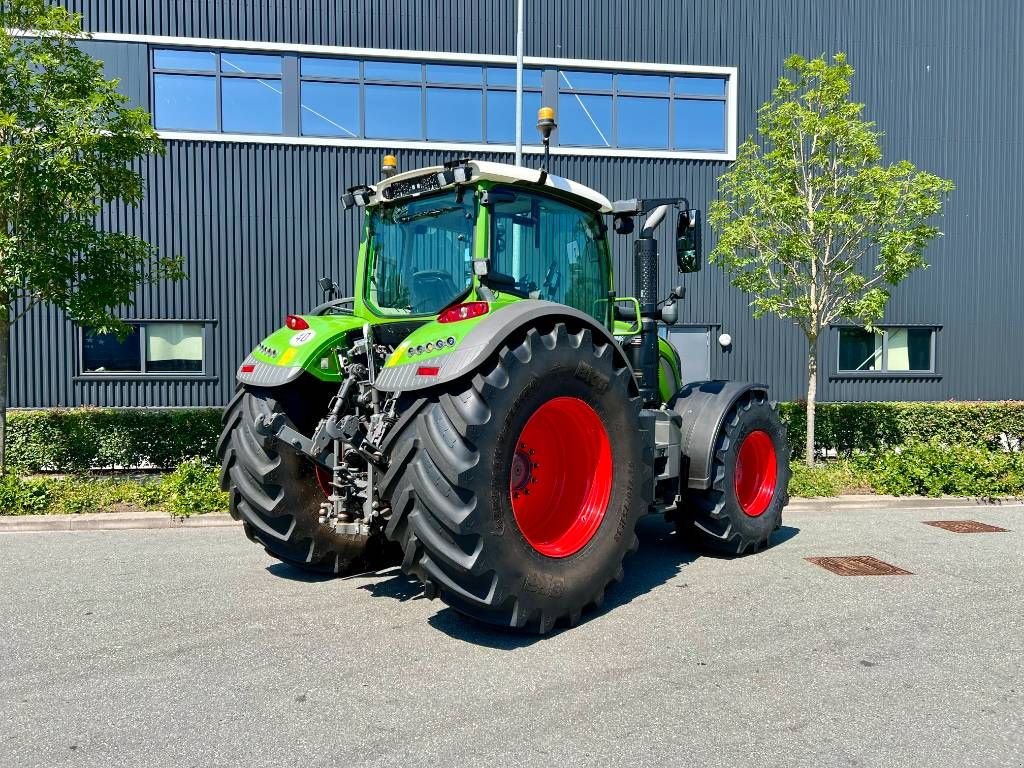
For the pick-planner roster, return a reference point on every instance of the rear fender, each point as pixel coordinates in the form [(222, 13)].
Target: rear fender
[(285, 354), (703, 406), (473, 341)]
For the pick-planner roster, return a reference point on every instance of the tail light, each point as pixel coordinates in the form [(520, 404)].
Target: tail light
[(428, 370), (463, 311), (296, 323)]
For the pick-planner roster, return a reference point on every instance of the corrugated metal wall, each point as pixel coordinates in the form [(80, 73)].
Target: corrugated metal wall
[(257, 224)]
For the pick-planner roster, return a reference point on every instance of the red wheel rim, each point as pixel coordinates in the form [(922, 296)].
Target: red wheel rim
[(561, 476), (324, 478), (756, 473)]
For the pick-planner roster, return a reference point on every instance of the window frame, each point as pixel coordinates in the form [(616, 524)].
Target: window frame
[(204, 374), (601, 240), (218, 74), (883, 372), (669, 96), (291, 80)]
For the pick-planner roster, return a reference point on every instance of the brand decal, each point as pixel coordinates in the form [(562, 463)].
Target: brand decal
[(303, 337)]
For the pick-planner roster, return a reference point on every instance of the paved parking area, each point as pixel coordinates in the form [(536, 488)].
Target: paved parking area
[(191, 647)]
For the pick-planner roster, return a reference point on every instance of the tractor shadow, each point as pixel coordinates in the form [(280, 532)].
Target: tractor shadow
[(662, 556), (294, 573)]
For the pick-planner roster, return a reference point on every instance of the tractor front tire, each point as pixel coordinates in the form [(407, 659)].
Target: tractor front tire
[(743, 507), (515, 494), (274, 491)]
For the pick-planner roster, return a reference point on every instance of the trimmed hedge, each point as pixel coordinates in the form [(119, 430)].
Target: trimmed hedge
[(80, 439), (850, 428), (938, 468)]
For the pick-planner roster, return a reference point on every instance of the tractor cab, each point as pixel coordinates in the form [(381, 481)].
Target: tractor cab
[(472, 230)]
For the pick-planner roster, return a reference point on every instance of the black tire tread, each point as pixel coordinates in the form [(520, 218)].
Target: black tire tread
[(272, 493), (437, 521), (705, 521)]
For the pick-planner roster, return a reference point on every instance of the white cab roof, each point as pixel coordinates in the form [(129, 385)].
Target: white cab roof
[(504, 172)]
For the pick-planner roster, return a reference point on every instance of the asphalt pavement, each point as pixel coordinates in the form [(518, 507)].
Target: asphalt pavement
[(192, 647)]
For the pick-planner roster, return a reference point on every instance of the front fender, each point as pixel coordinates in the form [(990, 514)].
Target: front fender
[(418, 363), (703, 406)]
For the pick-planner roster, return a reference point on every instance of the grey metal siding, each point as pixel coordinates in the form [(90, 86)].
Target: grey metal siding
[(258, 223)]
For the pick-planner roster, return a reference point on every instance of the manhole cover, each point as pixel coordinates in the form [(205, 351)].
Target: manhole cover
[(965, 526), (858, 565)]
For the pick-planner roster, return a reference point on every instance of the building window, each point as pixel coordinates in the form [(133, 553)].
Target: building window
[(153, 347), (602, 109), (404, 100), (887, 350), (407, 100), (207, 91)]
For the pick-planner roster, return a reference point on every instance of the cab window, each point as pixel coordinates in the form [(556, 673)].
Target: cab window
[(420, 254), (542, 248)]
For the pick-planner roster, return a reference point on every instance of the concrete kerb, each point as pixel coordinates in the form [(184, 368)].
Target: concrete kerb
[(111, 521), (118, 521)]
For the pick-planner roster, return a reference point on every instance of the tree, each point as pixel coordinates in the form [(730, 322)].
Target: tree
[(69, 143), (812, 224)]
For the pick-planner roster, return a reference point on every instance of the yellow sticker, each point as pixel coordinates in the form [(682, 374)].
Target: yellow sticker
[(287, 356)]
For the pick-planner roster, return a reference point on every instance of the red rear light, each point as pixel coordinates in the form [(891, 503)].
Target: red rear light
[(463, 311), (296, 323), (247, 368), (427, 370)]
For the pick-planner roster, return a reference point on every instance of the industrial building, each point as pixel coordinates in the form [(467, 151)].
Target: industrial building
[(271, 109)]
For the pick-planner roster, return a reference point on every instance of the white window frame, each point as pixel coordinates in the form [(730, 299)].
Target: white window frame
[(654, 68)]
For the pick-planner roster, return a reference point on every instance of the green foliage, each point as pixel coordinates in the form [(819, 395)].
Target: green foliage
[(20, 496), (832, 478), (79, 439), (937, 468), (193, 489), (810, 222), (867, 427), (68, 145), (798, 217)]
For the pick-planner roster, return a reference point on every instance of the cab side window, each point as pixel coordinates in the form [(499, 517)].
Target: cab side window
[(542, 248)]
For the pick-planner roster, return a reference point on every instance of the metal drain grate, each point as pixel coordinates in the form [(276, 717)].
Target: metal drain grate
[(965, 526), (858, 565)]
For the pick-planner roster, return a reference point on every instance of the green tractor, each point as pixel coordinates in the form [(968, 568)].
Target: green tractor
[(486, 402)]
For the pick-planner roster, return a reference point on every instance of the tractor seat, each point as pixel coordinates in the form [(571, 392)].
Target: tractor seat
[(431, 291)]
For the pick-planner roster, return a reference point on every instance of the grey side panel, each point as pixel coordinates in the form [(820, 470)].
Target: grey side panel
[(263, 375), (703, 406), (486, 339), (126, 62)]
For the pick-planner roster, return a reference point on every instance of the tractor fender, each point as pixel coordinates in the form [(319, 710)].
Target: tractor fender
[(703, 406), (484, 339)]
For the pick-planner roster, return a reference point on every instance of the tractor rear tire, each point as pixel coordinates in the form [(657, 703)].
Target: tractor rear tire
[(275, 493), (515, 495), (743, 507)]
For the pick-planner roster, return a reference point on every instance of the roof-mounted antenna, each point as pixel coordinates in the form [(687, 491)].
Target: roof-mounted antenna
[(546, 124)]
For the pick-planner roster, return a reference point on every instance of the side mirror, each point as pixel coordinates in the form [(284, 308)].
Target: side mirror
[(623, 224), (688, 241)]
